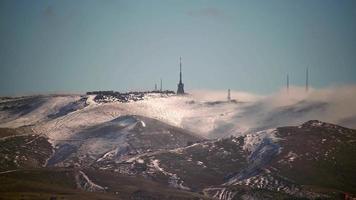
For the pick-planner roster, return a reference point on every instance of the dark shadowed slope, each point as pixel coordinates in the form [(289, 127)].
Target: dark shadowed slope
[(136, 157)]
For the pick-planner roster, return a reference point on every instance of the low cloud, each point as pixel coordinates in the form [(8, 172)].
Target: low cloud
[(220, 95), (333, 104), (208, 113)]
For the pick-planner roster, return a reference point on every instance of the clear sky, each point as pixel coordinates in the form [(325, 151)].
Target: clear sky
[(78, 46)]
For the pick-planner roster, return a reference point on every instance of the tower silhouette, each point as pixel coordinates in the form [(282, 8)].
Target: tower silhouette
[(228, 95), (180, 89), (288, 83), (307, 80), (161, 86)]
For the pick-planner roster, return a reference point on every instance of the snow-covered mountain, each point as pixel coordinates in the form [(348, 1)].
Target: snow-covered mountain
[(187, 146), (60, 116), (118, 140)]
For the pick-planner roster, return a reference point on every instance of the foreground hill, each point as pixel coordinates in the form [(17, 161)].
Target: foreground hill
[(314, 160), (135, 157), (74, 184)]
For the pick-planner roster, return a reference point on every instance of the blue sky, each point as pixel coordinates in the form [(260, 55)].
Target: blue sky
[(78, 46)]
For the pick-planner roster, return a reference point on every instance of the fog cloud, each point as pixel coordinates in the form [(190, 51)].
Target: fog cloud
[(283, 108)]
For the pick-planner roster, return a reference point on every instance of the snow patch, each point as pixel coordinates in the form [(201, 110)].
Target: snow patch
[(108, 155), (253, 140), (143, 123), (291, 156), (174, 180), (86, 184)]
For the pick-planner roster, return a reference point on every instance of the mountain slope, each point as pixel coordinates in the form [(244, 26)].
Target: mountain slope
[(21, 148), (59, 183), (118, 140), (321, 152), (314, 160)]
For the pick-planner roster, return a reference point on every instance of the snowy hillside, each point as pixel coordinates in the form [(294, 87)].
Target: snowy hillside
[(206, 114), (197, 146), (119, 140)]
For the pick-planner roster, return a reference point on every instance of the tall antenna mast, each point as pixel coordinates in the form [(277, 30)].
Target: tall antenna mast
[(180, 89), (307, 80), (161, 85), (228, 95), (180, 69), (288, 83)]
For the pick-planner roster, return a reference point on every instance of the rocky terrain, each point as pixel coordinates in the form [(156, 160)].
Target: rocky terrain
[(111, 96)]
